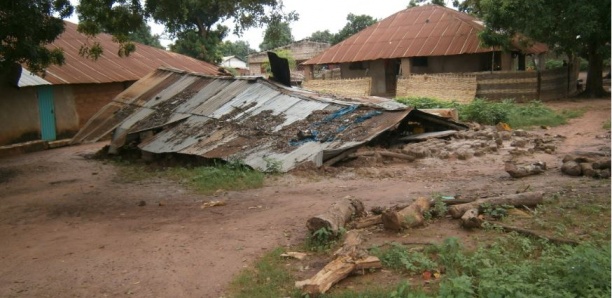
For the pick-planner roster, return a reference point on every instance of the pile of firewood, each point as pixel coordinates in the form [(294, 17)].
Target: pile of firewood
[(349, 213)]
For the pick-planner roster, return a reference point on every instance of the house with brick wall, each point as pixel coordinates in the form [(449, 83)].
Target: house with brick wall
[(428, 39), (300, 51), (57, 104)]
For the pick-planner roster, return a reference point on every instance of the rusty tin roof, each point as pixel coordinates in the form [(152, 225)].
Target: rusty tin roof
[(244, 118), (428, 30), (110, 67)]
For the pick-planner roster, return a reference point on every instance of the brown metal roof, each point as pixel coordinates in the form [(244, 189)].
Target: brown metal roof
[(428, 30), (110, 67)]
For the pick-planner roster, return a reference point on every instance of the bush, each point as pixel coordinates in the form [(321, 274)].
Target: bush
[(486, 112)]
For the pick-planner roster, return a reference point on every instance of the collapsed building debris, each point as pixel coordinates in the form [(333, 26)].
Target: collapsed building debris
[(590, 164), (250, 119)]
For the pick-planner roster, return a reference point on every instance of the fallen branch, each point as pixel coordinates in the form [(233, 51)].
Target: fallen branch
[(332, 161), (411, 216), (349, 258), (336, 217), (529, 233), (526, 199)]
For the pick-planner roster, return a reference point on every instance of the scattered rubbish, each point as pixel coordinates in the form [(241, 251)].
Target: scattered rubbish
[(295, 255), (212, 204)]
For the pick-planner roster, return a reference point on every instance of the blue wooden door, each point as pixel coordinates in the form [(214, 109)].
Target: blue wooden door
[(46, 110)]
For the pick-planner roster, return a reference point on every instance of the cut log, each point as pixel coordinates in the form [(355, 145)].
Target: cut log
[(471, 219), (521, 199), (333, 272), (366, 222), (332, 161), (350, 258), (336, 217), (520, 171), (411, 216)]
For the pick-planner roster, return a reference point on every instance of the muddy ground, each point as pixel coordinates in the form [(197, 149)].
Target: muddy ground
[(70, 227)]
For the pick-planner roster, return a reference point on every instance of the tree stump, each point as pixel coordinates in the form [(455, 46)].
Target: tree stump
[(411, 216)]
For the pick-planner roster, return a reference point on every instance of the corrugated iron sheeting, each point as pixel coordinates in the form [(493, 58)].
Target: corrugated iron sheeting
[(110, 67), (428, 30), (253, 120), (28, 79)]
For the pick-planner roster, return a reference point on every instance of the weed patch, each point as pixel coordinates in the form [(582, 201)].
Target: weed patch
[(268, 278), (486, 112)]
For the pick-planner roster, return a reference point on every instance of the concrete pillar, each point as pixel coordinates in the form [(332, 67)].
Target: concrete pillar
[(405, 67)]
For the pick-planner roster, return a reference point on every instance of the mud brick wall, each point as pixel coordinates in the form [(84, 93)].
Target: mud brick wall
[(344, 87), (519, 85), (553, 84), (90, 98), (458, 87)]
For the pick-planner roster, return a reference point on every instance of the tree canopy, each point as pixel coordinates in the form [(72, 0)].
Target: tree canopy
[(144, 36), (575, 28), (240, 49), (414, 3), (27, 26), (354, 24), (276, 35), (322, 36)]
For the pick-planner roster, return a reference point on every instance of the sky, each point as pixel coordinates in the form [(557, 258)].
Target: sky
[(315, 15)]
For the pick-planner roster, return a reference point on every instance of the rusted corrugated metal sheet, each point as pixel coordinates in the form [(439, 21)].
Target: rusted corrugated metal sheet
[(428, 30), (110, 67), (250, 119)]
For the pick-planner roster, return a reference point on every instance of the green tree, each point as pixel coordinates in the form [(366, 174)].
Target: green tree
[(276, 35), (414, 3), (322, 36), (144, 36), (240, 49), (575, 28), (354, 24), (26, 27)]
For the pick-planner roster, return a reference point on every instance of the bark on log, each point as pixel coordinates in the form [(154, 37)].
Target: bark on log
[(526, 199), (411, 216), (471, 219), (349, 258), (336, 217), (366, 222)]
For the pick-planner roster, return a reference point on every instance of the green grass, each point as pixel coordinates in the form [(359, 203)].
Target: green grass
[(486, 112), (606, 125), (207, 180), (202, 179), (268, 278)]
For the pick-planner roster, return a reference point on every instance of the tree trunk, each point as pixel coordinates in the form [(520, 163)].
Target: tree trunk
[(336, 217), (411, 216), (594, 84), (526, 198)]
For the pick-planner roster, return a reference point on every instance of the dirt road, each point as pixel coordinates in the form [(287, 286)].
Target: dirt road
[(70, 227)]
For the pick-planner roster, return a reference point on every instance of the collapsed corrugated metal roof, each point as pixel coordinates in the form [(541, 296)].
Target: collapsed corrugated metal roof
[(249, 119), (428, 30)]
